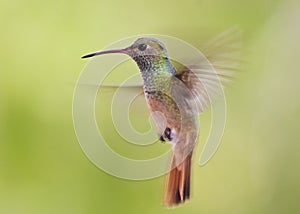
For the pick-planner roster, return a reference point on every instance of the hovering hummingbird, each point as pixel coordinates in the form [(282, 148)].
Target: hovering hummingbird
[(176, 96)]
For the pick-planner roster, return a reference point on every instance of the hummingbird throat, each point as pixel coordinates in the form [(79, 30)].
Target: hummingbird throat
[(155, 71)]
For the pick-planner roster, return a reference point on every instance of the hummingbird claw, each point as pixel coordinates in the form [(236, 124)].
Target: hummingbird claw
[(168, 133), (161, 138)]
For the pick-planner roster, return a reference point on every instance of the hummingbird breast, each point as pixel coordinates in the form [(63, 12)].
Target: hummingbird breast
[(170, 119), (174, 124), (166, 95)]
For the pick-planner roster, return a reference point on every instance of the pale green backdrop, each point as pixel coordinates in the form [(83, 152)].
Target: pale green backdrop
[(42, 167)]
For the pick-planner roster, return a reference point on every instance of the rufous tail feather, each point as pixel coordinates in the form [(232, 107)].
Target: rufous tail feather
[(177, 188)]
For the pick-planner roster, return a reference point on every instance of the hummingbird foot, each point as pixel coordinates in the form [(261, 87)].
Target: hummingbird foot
[(168, 135), (161, 138)]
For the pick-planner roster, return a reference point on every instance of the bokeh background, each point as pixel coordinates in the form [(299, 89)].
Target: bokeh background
[(42, 167)]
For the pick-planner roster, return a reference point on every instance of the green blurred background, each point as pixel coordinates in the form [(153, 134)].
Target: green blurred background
[(42, 167)]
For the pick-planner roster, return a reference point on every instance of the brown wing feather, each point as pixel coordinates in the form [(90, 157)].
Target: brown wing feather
[(206, 77)]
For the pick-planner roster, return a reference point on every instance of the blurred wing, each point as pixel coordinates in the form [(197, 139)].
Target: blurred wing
[(206, 78), (128, 86), (109, 90), (115, 86)]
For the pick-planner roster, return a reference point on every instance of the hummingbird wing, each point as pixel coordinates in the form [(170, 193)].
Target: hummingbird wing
[(207, 77), (138, 86)]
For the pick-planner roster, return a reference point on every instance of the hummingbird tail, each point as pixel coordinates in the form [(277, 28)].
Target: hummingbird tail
[(177, 188)]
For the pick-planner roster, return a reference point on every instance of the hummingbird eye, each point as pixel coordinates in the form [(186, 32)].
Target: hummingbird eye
[(142, 47)]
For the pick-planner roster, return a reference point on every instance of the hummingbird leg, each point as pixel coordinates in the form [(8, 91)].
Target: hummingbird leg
[(161, 138), (168, 133)]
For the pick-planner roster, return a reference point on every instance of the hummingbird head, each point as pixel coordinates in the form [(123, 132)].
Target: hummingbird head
[(148, 53), (147, 47), (141, 48)]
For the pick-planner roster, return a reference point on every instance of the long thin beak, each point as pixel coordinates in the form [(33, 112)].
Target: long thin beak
[(123, 50)]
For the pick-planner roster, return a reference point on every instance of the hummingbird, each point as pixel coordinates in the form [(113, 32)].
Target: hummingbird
[(175, 97)]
